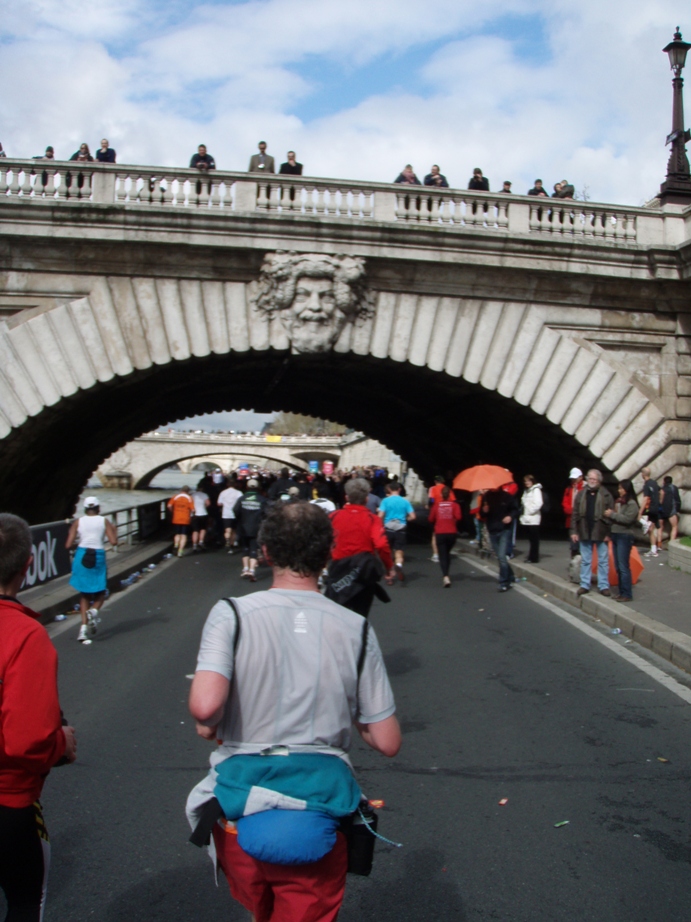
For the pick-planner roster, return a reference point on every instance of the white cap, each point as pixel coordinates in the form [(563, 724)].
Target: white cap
[(91, 502), (575, 473)]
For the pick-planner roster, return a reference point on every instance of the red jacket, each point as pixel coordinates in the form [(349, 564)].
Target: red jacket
[(356, 529), (31, 737), (444, 515), (570, 494)]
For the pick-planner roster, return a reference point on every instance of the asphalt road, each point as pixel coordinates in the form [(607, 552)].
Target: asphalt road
[(498, 696)]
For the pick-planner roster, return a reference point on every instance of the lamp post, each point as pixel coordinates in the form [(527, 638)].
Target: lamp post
[(677, 187)]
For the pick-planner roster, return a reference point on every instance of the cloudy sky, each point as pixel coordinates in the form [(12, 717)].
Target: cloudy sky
[(524, 88), (575, 89)]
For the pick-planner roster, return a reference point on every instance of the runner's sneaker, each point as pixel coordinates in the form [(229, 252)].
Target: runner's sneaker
[(92, 620), (435, 558), (399, 571), (180, 553), (651, 553), (245, 573), (82, 637), (252, 577)]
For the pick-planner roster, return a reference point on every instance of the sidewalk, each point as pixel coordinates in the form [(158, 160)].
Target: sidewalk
[(58, 597), (659, 617)]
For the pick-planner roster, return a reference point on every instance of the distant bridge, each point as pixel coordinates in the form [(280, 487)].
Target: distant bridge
[(146, 456)]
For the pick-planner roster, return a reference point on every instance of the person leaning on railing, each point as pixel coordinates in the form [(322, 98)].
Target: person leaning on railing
[(202, 161), (83, 155)]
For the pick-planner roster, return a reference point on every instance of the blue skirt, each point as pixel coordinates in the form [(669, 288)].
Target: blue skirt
[(85, 580)]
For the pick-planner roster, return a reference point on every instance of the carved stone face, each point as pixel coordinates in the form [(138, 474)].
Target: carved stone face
[(313, 321)]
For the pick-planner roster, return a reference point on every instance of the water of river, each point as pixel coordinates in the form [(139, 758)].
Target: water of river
[(162, 486)]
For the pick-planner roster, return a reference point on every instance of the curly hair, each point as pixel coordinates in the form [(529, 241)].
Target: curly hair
[(15, 546), (298, 537), (279, 276)]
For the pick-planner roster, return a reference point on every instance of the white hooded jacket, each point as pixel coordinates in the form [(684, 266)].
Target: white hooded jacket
[(531, 504)]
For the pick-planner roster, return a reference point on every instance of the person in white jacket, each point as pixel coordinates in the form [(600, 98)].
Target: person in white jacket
[(531, 506)]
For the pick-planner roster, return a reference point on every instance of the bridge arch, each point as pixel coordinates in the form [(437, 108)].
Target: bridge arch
[(443, 381)]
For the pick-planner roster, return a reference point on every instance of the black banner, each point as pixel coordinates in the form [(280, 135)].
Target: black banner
[(51, 557), (149, 519)]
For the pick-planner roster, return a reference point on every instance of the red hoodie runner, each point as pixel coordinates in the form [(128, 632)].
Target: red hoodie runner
[(31, 737)]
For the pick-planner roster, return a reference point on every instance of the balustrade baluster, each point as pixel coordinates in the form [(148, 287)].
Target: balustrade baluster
[(4, 185), (401, 211), (339, 204), (367, 204), (630, 229), (433, 213), (287, 197), (262, 198), (85, 189), (215, 196), (503, 214), (14, 185), (320, 205), (26, 185), (167, 195)]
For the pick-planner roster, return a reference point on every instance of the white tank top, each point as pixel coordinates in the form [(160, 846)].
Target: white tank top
[(92, 531)]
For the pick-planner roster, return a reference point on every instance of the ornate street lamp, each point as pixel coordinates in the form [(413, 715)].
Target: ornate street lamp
[(677, 186)]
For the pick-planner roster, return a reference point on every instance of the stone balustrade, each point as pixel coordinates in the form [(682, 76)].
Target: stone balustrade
[(40, 181)]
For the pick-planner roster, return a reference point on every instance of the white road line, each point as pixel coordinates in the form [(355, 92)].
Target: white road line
[(652, 671)]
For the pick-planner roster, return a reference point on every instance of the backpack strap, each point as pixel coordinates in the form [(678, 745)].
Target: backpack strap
[(236, 639), (361, 658)]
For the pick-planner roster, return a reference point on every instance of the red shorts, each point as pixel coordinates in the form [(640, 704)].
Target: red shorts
[(284, 892)]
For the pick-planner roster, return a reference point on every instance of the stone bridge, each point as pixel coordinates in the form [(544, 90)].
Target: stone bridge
[(146, 456), (452, 326)]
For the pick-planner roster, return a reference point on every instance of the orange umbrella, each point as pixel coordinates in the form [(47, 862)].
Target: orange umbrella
[(482, 477)]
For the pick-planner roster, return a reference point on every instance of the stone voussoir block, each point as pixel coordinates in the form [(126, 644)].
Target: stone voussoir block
[(681, 654)]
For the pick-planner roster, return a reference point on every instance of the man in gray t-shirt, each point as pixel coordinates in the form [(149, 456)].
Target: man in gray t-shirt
[(295, 677)]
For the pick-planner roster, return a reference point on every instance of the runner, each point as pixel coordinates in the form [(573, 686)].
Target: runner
[(445, 516), (396, 512), (200, 519), (226, 502), (182, 508), (89, 573), (249, 512)]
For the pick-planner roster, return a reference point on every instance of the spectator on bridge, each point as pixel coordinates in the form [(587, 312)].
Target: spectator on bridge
[(89, 575), (435, 178), (407, 177), (478, 182), (291, 167), (261, 162), (590, 527), (32, 740), (563, 189), (49, 155), (202, 160), (83, 155), (538, 189), (506, 187), (105, 154)]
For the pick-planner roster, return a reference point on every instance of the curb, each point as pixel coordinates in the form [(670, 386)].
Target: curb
[(671, 645)]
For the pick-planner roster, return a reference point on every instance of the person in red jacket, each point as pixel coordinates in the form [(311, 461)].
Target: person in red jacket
[(576, 484), (357, 532), (445, 515), (32, 738)]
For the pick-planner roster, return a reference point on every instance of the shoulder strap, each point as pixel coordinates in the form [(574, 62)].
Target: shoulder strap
[(236, 639), (361, 658)]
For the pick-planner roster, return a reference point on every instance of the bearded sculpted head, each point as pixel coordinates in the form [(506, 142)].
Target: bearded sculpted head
[(314, 296)]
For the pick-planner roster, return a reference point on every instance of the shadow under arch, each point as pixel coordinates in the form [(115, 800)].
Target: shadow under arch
[(436, 422)]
